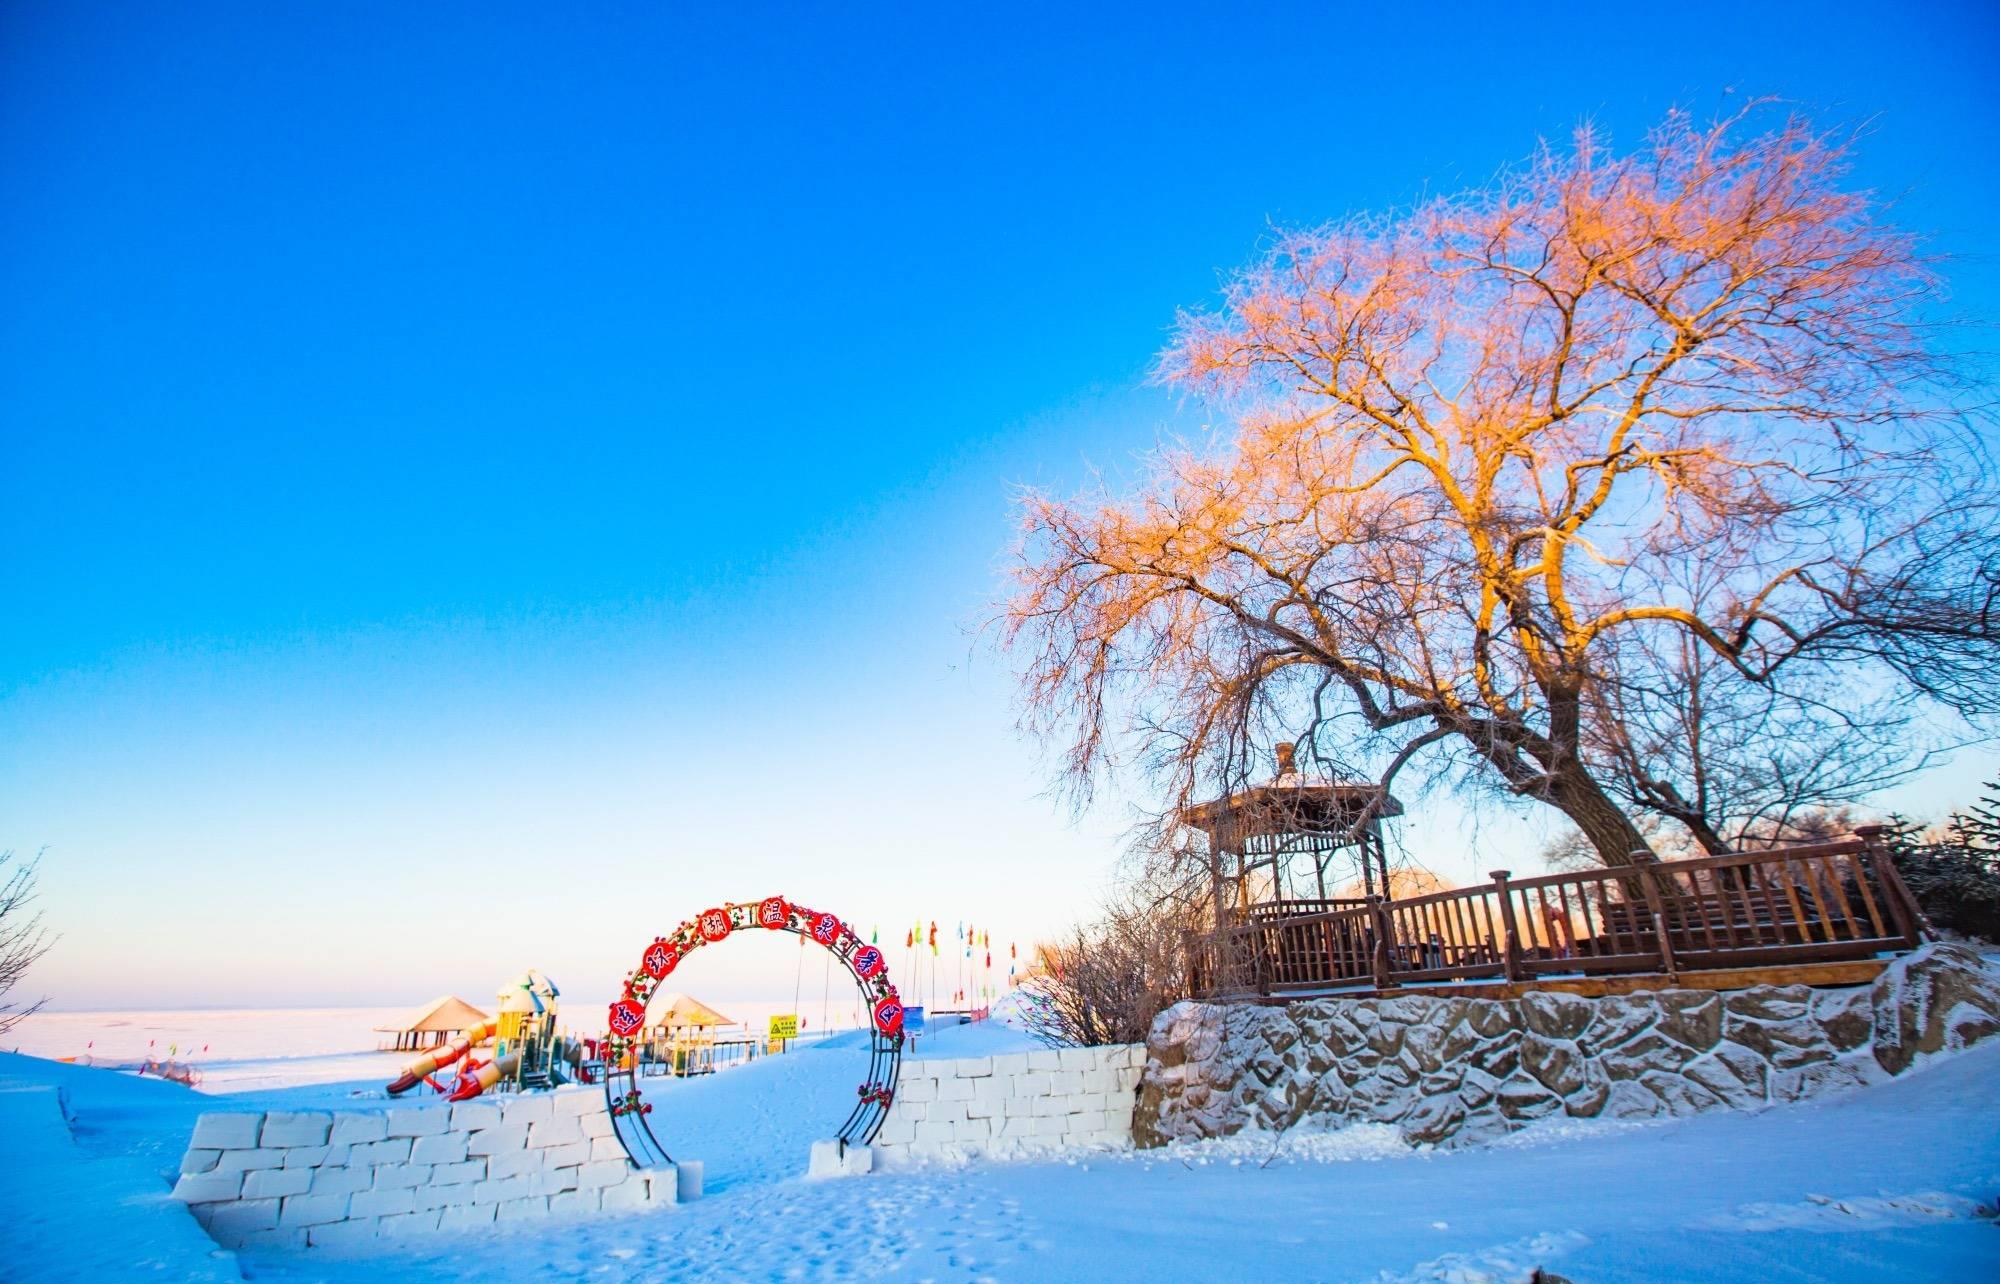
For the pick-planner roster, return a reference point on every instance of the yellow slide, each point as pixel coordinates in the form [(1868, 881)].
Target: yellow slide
[(438, 1058)]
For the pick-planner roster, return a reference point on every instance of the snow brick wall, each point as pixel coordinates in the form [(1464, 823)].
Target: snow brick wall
[(314, 1179), (1018, 1104), (1452, 1071)]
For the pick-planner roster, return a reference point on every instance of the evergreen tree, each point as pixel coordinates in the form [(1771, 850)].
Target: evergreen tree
[(1978, 826), (1955, 876)]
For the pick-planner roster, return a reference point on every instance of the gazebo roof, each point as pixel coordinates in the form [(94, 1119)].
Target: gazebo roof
[(678, 1009), (446, 1012), (1271, 832), (1292, 804)]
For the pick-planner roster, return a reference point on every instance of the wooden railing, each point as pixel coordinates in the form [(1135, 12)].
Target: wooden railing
[(1820, 903)]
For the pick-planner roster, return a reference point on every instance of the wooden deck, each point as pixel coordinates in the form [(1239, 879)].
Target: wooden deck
[(1838, 906), (1597, 987)]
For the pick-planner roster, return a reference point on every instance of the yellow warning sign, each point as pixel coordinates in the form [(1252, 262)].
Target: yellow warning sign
[(785, 1027)]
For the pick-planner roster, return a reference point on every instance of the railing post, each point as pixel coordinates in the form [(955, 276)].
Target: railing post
[(1193, 946), (1510, 953), (1903, 907), (1380, 960), (1650, 872)]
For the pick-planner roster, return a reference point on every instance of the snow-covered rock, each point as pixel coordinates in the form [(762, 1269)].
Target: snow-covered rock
[(1448, 1070), (1940, 999)]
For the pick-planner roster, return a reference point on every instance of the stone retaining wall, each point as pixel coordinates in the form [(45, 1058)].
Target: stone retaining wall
[(317, 1179), (1449, 1071), (1021, 1103)]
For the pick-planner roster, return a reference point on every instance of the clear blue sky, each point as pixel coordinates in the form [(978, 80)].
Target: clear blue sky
[(481, 482)]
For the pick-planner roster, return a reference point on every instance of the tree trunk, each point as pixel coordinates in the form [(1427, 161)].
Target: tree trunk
[(1552, 773), (1704, 833), (1570, 790), (1661, 796)]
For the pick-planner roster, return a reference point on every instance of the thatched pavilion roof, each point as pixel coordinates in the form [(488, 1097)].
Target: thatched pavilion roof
[(678, 1010), (445, 1013)]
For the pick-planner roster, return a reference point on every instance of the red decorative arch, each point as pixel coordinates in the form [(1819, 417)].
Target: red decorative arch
[(865, 963)]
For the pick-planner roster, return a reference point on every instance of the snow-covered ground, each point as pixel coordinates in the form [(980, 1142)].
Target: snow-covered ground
[(1894, 1183), (235, 1050)]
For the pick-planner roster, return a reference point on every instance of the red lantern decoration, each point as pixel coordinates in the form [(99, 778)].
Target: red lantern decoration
[(627, 1017), (714, 924), (868, 961), (772, 912), (661, 957), (826, 929), (888, 1014)]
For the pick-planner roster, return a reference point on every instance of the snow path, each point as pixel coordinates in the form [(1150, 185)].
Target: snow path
[(1890, 1182), (1896, 1182)]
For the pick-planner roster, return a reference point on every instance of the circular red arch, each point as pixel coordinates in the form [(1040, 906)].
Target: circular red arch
[(865, 963)]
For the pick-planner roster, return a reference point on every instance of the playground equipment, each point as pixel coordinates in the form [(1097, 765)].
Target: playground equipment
[(527, 1051), (627, 1018), (477, 1077), (423, 1067), (527, 1031)]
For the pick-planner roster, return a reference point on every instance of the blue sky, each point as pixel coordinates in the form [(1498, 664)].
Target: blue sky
[(482, 482)]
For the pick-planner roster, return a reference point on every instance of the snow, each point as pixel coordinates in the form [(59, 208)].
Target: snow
[(977, 1039), (247, 1049), (1891, 1182), (94, 1206), (754, 1125)]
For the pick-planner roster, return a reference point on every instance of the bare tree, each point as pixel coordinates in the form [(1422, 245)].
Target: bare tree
[(1677, 733), (22, 937), (1473, 445), (1105, 981), (1569, 852)]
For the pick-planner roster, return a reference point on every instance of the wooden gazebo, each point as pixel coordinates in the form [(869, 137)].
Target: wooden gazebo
[(1270, 847), (431, 1025), (1821, 913), (682, 1039)]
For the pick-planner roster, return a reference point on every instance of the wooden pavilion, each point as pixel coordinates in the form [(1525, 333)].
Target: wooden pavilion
[(1271, 846), (433, 1024), (1827, 913), (682, 1034)]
